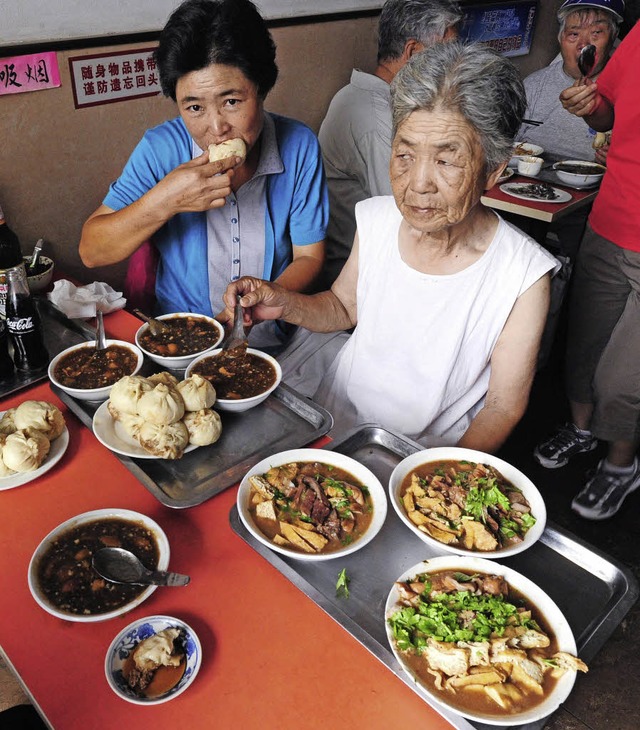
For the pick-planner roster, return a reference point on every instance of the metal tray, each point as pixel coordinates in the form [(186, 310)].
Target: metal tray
[(59, 333), (286, 420), (601, 590)]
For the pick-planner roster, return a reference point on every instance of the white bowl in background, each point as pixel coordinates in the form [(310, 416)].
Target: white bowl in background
[(524, 149), (240, 404), (92, 394), (86, 517), (455, 453), (182, 361), (325, 456), (553, 617), (126, 641), (529, 165), (38, 282), (579, 179)]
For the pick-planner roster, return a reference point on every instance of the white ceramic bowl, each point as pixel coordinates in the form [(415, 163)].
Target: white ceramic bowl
[(93, 394), (126, 641), (84, 518), (179, 363), (359, 471), (579, 179), (38, 282), (240, 404), (454, 453), (529, 165), (524, 149), (552, 614)]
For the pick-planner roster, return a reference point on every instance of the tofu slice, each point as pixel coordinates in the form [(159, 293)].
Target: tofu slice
[(287, 530)]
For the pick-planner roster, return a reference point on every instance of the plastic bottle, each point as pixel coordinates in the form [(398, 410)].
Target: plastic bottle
[(23, 323)]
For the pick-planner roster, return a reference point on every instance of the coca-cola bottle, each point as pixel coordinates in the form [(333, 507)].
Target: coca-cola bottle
[(10, 256), (23, 323), (6, 363)]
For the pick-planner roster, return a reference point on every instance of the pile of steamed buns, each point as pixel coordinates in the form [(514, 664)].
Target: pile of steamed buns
[(165, 415), (26, 433)]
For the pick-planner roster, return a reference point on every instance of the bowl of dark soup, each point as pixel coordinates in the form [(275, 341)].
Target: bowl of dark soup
[(185, 337), (242, 379), (61, 576), (39, 277), (579, 173), (89, 374), (312, 504)]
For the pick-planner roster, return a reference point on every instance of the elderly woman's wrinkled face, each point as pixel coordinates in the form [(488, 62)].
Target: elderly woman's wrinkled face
[(582, 29), (437, 169), (218, 103)]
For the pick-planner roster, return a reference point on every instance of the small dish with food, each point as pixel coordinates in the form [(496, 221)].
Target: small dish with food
[(312, 504), (39, 277), (186, 337), (482, 640), (578, 173), (62, 580), (467, 502), (89, 374), (524, 149), (153, 660), (241, 380)]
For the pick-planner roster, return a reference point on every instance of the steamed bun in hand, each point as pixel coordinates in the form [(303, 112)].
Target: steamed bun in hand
[(162, 405), (197, 393), (25, 452), (38, 415), (204, 426)]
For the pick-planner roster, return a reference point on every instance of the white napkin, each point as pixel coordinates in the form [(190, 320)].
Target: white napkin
[(82, 301)]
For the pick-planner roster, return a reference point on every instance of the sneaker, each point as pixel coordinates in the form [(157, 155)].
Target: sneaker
[(566, 442), (603, 494)]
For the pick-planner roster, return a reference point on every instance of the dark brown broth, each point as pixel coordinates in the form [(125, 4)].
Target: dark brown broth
[(239, 377), (164, 679), (87, 368), (67, 578), (186, 336), (577, 169)]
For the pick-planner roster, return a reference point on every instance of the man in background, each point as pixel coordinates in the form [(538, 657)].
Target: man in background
[(355, 135)]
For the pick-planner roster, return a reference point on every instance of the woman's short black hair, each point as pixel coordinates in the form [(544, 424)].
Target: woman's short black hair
[(230, 32)]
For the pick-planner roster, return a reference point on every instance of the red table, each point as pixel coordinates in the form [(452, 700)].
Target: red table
[(271, 657)]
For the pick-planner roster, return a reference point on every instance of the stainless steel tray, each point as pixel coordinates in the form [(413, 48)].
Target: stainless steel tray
[(592, 590), (286, 420), (59, 333)]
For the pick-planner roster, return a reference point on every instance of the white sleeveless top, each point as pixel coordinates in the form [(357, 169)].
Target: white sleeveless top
[(418, 361)]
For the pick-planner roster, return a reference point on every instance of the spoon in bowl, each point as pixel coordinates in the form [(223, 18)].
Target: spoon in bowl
[(587, 60), (156, 326), (236, 343), (121, 566), (100, 344)]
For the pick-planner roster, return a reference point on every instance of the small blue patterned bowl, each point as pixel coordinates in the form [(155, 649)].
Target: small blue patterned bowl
[(126, 641)]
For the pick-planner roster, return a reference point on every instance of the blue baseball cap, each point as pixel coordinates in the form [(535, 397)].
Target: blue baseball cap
[(615, 7)]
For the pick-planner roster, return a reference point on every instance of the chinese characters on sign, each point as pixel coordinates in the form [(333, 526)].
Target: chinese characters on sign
[(506, 27), (29, 73), (115, 77)]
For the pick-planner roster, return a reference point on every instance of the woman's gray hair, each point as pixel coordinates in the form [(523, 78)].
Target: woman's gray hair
[(469, 79), (422, 20), (586, 14)]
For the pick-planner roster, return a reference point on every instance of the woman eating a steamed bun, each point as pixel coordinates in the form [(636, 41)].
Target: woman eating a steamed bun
[(448, 300)]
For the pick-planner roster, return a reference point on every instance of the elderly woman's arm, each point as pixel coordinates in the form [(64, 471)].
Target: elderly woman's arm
[(513, 366)]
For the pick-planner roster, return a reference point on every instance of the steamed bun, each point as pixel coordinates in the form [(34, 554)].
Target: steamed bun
[(4, 469), (197, 393), (162, 405), (7, 422), (126, 393), (204, 426), (165, 378), (25, 452), (168, 441), (38, 415)]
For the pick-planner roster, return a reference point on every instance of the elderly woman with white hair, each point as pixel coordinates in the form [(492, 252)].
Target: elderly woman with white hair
[(448, 300)]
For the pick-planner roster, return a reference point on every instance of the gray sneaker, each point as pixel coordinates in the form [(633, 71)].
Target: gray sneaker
[(566, 442), (603, 494)]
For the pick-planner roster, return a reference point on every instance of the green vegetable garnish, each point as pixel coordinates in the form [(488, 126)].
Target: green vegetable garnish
[(343, 583)]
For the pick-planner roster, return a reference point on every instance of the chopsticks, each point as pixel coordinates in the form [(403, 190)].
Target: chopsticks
[(532, 122)]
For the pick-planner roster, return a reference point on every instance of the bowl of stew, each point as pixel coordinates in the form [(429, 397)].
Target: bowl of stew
[(40, 276), (467, 502), (312, 504), (62, 580), (242, 381), (579, 173), (188, 336), (88, 374)]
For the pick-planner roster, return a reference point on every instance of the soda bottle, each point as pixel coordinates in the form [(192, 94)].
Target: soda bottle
[(10, 256), (23, 323), (6, 363)]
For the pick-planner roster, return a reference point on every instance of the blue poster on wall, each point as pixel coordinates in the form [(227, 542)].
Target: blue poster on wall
[(506, 27)]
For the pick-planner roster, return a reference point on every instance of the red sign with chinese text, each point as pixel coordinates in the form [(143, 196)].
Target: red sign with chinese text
[(33, 72)]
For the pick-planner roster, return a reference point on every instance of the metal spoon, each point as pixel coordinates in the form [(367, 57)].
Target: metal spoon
[(36, 253), (157, 326), (587, 60), (100, 344), (237, 339), (122, 566)]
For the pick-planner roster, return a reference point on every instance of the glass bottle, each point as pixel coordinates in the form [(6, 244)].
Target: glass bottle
[(23, 323), (6, 363), (10, 256)]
